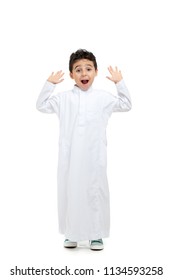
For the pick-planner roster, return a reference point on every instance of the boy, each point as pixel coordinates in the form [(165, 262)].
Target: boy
[(83, 195)]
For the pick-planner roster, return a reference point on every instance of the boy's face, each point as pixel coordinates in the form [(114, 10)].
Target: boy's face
[(83, 73)]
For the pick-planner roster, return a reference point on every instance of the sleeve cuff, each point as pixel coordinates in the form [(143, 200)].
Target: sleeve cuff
[(50, 85), (120, 83)]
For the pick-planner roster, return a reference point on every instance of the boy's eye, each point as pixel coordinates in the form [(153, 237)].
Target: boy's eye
[(79, 70)]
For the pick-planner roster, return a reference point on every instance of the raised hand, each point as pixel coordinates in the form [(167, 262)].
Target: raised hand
[(56, 78), (116, 75)]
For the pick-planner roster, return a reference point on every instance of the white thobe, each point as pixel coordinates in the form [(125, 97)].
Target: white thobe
[(83, 194)]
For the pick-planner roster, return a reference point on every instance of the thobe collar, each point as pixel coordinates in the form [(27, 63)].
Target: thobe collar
[(77, 89)]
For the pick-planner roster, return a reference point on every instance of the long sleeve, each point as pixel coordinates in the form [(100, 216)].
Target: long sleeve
[(47, 103), (120, 102)]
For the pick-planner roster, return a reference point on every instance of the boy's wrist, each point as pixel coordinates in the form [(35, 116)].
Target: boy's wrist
[(116, 82), (50, 84)]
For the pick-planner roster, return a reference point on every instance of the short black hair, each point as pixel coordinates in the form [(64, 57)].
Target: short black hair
[(81, 54)]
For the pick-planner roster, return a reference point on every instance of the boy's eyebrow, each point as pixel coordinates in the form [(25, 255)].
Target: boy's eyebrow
[(85, 65)]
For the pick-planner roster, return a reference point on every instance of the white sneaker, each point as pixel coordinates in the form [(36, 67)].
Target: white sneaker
[(70, 244), (96, 245)]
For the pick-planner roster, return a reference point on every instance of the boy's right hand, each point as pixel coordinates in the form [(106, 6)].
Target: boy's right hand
[(56, 78)]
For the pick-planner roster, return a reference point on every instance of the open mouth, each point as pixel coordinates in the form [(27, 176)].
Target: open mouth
[(84, 82)]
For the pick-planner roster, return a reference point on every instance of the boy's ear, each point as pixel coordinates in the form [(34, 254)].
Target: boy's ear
[(71, 75)]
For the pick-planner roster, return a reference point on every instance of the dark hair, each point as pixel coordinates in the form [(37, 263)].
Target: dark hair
[(81, 54)]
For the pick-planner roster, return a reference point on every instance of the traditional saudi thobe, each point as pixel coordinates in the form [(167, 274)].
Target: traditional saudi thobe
[(83, 194)]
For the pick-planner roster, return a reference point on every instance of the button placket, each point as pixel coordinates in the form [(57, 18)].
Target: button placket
[(82, 109)]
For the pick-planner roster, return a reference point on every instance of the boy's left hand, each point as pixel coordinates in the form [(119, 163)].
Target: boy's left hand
[(116, 75)]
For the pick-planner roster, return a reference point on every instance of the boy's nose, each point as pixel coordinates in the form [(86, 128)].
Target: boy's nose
[(83, 72)]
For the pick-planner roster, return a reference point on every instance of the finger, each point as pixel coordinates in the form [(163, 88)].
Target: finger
[(110, 69), (60, 73)]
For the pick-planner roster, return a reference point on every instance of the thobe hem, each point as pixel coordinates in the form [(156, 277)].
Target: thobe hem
[(88, 237)]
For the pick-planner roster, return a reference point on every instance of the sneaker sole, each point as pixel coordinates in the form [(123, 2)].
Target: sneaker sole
[(97, 248), (70, 245)]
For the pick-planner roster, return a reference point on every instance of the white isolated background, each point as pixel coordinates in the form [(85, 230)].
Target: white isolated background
[(37, 37)]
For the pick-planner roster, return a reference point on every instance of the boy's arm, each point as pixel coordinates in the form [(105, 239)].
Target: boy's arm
[(45, 103), (123, 101)]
